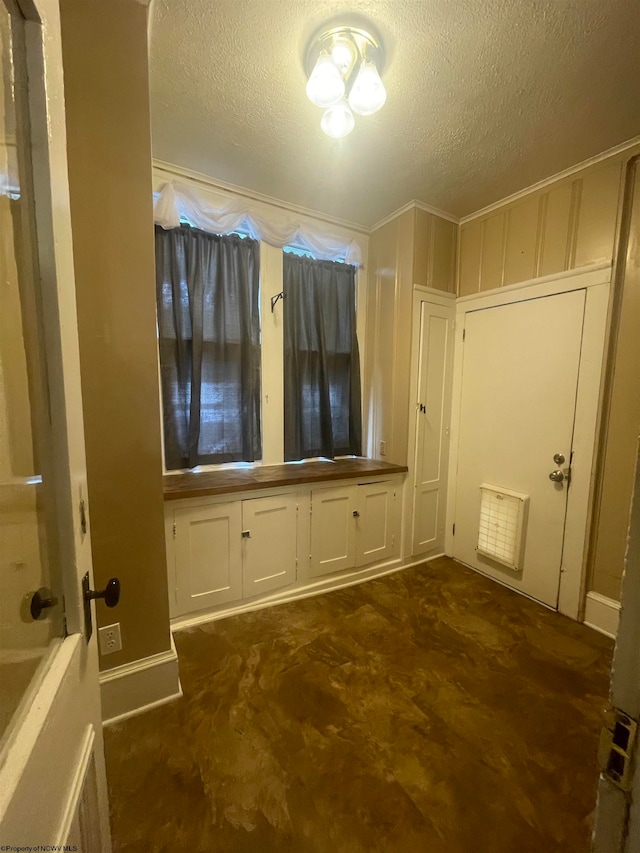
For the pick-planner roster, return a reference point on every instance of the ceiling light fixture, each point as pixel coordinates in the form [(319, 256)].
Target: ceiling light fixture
[(343, 67)]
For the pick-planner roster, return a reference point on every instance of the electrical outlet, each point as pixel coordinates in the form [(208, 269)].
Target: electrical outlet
[(109, 639), (383, 448)]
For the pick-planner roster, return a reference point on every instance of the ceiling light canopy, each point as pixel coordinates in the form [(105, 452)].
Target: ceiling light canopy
[(345, 61)]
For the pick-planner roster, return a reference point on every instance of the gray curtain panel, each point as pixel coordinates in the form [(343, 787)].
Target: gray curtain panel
[(209, 339), (322, 408)]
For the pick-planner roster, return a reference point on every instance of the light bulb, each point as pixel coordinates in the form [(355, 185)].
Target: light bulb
[(338, 120), (367, 94), (343, 56), (325, 86)]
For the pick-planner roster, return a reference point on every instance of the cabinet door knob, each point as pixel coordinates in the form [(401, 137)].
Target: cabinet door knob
[(246, 534), (356, 514)]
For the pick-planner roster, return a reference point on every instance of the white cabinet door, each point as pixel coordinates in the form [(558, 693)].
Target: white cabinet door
[(432, 427), (208, 553), (376, 522), (333, 543), (269, 537)]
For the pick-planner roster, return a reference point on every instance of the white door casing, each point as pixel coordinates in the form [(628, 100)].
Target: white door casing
[(520, 375), (52, 775)]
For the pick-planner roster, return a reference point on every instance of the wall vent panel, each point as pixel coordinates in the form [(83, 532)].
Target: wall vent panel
[(501, 526)]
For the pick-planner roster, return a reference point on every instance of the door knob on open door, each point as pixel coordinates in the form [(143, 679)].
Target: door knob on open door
[(111, 593), (556, 476)]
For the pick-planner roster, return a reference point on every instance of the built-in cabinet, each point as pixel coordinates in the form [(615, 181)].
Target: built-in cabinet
[(353, 526), (269, 539), (208, 555), (223, 552)]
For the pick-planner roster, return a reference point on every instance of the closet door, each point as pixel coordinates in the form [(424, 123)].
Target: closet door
[(433, 408)]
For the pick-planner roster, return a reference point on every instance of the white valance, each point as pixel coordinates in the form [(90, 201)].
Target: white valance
[(177, 202)]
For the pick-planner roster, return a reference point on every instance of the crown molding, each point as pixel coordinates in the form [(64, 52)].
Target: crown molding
[(566, 173), (413, 205), (201, 178)]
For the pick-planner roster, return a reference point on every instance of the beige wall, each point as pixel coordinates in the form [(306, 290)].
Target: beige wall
[(567, 224), (622, 424), (109, 149), (414, 248)]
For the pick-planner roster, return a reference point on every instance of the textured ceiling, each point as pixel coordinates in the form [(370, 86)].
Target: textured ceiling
[(485, 97)]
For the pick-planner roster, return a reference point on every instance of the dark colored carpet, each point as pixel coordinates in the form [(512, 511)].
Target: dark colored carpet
[(430, 710)]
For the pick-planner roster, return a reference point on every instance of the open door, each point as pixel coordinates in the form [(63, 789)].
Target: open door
[(52, 776), (617, 827)]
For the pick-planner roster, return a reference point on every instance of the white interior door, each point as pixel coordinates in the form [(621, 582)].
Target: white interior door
[(432, 427), (52, 776), (519, 383)]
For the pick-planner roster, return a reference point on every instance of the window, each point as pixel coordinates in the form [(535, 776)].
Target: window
[(209, 341), (321, 362)]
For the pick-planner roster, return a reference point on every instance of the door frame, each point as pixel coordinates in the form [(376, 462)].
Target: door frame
[(596, 281), (60, 725)]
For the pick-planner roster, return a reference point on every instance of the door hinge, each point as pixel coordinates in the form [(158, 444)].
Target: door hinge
[(174, 530), (617, 740), (464, 335), (393, 540), (454, 530)]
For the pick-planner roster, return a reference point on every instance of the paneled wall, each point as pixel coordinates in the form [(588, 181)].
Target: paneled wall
[(562, 226), (568, 224), (434, 251), (414, 248), (109, 153)]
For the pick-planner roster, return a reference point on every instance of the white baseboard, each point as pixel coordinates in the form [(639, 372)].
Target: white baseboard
[(136, 687), (317, 587), (602, 614)]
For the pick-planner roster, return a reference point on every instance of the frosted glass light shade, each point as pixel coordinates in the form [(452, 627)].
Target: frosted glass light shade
[(367, 93), (325, 86), (338, 121)]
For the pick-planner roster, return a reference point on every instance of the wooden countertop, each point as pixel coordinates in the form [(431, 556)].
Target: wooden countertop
[(229, 480)]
